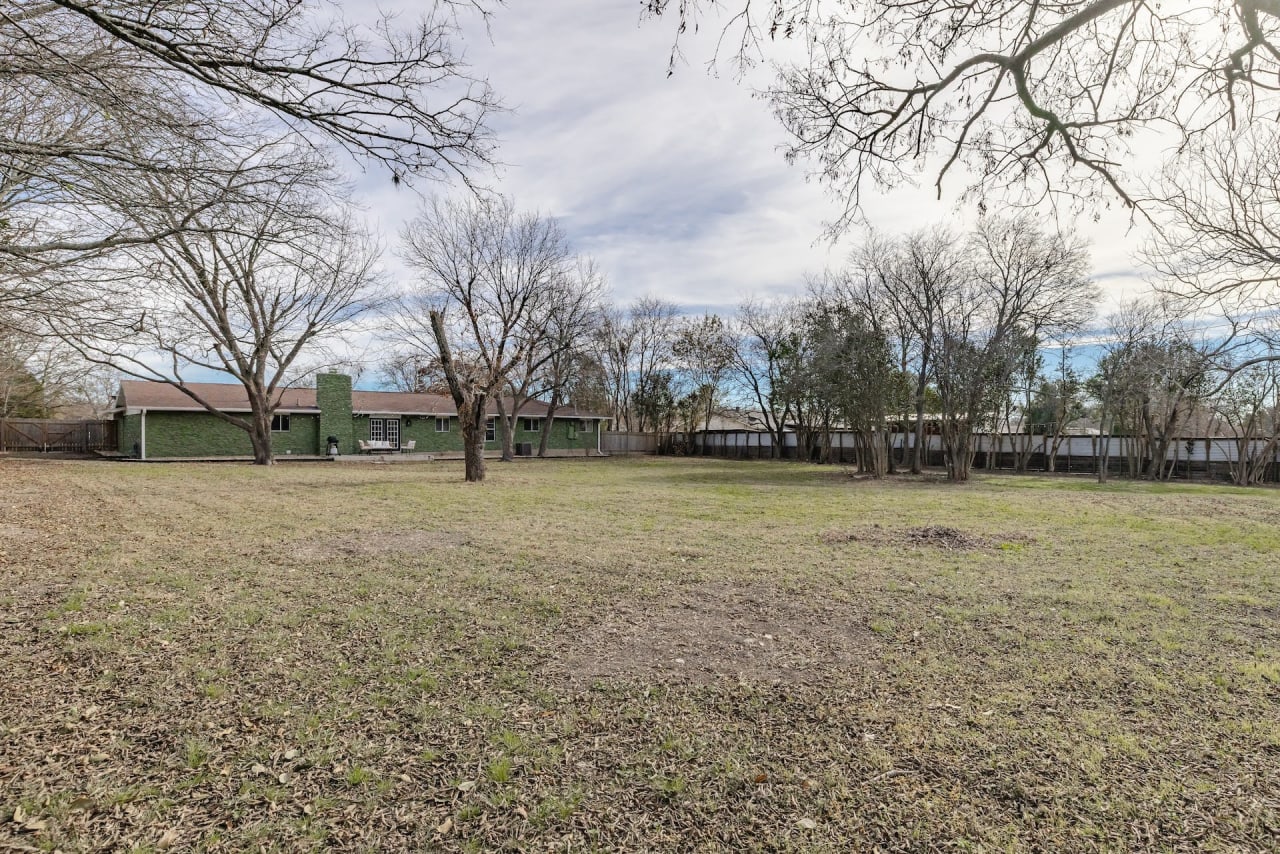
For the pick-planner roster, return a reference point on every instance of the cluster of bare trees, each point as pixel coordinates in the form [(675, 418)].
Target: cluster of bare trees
[(1162, 377), (501, 312), (1170, 111), (931, 326), (41, 378), (169, 197), (929, 332), (662, 371)]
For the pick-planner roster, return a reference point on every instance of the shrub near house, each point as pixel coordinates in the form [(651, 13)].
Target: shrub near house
[(157, 420)]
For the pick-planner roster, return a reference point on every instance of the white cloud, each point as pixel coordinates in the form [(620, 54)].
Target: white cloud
[(676, 185)]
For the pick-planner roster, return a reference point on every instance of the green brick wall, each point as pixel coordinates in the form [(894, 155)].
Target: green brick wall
[(199, 434), (422, 430), (129, 433), (333, 397)]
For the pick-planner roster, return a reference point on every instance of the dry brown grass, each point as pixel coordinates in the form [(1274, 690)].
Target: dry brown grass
[(627, 655)]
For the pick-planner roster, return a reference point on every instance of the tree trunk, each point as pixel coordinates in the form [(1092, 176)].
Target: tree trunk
[(918, 453), (260, 437), (470, 406), (472, 419), (957, 441), (1103, 454), (506, 431), (549, 422)]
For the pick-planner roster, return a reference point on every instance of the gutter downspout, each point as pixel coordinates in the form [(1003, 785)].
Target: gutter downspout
[(142, 455), (599, 425)]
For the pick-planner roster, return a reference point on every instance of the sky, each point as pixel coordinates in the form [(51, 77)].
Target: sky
[(676, 185)]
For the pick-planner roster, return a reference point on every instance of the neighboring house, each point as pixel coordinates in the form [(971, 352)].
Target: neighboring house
[(738, 419), (156, 420)]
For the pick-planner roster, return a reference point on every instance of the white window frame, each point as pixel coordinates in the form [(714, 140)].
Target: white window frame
[(491, 430), (377, 429), (391, 430), (280, 422), (531, 425), (445, 422)]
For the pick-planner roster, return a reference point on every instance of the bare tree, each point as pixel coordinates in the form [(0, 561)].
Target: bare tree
[(250, 284), (1030, 98), (1249, 405), (1057, 402), (414, 373), (483, 300), (569, 306), (612, 344), (702, 351), (634, 348), (920, 278), (653, 320), (85, 80), (1219, 249), (1158, 368), (21, 392), (1022, 285), (851, 368), (765, 360), (574, 317)]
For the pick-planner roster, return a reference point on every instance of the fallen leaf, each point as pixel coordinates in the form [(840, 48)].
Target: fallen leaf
[(807, 824), (444, 827), (466, 785), (762, 778), (19, 815), (168, 839)]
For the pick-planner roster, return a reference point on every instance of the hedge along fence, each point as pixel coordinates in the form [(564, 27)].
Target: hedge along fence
[(54, 435), (1205, 457)]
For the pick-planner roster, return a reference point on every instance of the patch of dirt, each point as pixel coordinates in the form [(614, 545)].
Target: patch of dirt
[(719, 632), (1266, 613), (934, 536), (378, 542)]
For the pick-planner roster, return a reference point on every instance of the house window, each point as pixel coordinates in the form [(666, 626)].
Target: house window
[(279, 423), (532, 425), (586, 426), (442, 425), (491, 430), (376, 429)]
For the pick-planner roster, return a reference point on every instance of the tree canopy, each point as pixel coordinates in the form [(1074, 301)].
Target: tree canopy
[(1033, 99)]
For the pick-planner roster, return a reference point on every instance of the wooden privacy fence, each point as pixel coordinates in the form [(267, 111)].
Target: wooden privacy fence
[(628, 443), (49, 435)]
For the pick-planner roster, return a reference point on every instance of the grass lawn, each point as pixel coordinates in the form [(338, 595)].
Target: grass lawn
[(632, 655)]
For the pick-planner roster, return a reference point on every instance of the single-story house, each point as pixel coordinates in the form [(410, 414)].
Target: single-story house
[(156, 420)]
